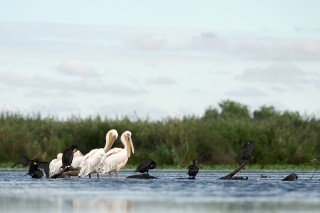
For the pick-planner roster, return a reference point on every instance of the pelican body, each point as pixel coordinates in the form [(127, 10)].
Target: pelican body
[(93, 158), (117, 158)]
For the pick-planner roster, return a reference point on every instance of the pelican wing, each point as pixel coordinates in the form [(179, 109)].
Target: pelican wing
[(113, 151), (114, 160), (54, 167), (77, 161), (77, 154), (89, 164)]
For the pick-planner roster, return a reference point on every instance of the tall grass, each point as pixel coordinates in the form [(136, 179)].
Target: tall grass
[(216, 137)]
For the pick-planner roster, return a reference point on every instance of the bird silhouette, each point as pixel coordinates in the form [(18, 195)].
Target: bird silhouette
[(67, 156), (291, 177), (34, 170), (34, 165), (145, 166), (247, 151), (193, 170)]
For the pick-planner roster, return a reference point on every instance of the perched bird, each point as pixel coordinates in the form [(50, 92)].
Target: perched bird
[(67, 156), (56, 164), (27, 162), (291, 177), (34, 170), (92, 159), (116, 158), (145, 166), (247, 151), (193, 170)]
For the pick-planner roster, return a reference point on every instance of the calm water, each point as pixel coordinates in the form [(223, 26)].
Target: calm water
[(169, 193)]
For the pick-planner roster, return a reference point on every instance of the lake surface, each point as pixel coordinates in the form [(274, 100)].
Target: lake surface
[(170, 192)]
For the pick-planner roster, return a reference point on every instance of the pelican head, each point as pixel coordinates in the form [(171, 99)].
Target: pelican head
[(111, 136), (59, 156), (74, 148), (127, 142)]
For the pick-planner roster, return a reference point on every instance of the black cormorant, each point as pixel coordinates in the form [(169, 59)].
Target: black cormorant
[(193, 170), (34, 170), (67, 156), (34, 164), (145, 166), (247, 151), (291, 177)]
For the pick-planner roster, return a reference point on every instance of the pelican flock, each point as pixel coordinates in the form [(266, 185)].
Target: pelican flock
[(116, 158), (92, 159)]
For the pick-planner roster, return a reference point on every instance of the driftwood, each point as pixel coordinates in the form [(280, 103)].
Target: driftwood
[(246, 157), (231, 176), (66, 173), (142, 176)]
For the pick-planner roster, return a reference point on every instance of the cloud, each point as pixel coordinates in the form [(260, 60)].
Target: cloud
[(161, 81), (149, 42), (84, 85), (279, 73), (246, 92), (76, 68), (207, 41), (280, 49)]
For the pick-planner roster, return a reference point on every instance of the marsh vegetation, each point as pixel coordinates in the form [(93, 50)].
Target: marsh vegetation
[(216, 137)]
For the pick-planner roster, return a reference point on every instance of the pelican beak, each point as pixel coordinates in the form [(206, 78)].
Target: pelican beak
[(130, 147), (110, 141)]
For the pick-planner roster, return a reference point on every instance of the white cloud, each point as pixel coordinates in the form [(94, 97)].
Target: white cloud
[(76, 68), (161, 80), (84, 85), (149, 42), (280, 73), (280, 49), (246, 92)]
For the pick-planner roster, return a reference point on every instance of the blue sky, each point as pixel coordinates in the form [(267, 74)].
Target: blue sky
[(158, 59)]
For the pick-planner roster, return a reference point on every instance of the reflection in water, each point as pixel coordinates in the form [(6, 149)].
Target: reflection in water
[(168, 193), (107, 205)]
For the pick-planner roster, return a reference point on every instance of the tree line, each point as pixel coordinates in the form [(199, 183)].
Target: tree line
[(216, 137)]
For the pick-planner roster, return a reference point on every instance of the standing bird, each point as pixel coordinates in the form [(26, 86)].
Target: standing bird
[(67, 156), (247, 151), (193, 170), (145, 166), (116, 158), (27, 162), (92, 159)]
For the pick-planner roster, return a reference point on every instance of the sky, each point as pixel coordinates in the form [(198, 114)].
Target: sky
[(158, 59)]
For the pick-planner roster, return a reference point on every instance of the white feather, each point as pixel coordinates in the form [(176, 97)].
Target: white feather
[(116, 158), (55, 164), (92, 159)]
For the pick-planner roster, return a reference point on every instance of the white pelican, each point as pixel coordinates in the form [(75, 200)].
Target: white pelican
[(55, 164), (92, 159), (116, 158)]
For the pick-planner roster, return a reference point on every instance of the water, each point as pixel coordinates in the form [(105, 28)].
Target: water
[(169, 193)]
